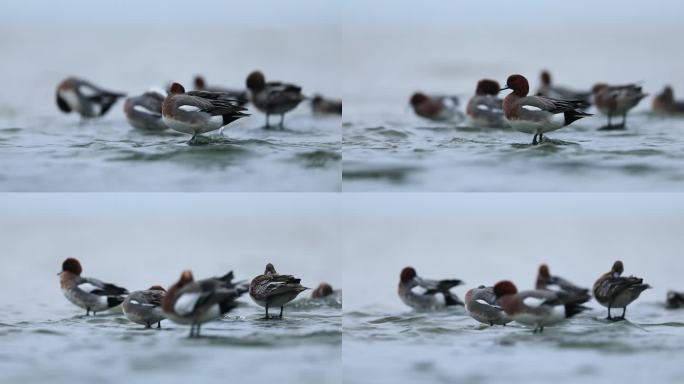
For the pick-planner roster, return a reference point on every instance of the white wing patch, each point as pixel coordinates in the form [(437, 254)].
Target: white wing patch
[(141, 109), (483, 107), (185, 304), (531, 108), (533, 302), (189, 108), (88, 287), (87, 91), (134, 302)]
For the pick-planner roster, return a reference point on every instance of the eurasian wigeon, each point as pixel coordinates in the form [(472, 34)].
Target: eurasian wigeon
[(240, 95), (436, 107), (274, 290), (674, 300), (273, 97), (534, 114), (324, 106), (614, 291), (144, 307), (198, 112), (485, 108), (197, 302), (144, 112), (323, 290), (666, 104), (559, 285), (88, 293), (89, 100), (547, 89), (616, 101), (482, 305), (419, 293), (535, 308)]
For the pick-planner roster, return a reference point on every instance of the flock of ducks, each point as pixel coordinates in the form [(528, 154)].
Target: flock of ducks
[(188, 301), (204, 109), (551, 108), (553, 300)]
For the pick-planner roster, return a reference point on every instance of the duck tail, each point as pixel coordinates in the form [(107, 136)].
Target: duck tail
[(571, 309), (451, 299), (574, 115)]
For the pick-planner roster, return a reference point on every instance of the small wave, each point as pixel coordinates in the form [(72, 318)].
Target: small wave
[(318, 158)]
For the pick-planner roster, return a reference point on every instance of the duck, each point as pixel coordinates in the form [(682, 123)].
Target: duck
[(547, 89), (239, 95), (91, 294), (536, 308), (144, 307), (546, 281), (85, 98), (274, 290), (534, 114), (323, 290), (674, 300), (425, 294), (616, 100), (665, 103), (194, 303), (482, 305), (273, 97), (324, 106), (485, 107), (436, 107), (198, 112), (614, 291), (144, 112)]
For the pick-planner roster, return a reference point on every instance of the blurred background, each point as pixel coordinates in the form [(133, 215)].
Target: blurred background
[(393, 48)]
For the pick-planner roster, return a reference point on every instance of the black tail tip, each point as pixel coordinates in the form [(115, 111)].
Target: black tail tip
[(572, 309)]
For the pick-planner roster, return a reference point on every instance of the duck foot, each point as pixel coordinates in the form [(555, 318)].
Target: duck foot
[(611, 127), (199, 140)]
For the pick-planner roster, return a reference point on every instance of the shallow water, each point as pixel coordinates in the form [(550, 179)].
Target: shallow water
[(107, 347), (45, 150), (139, 240), (388, 148), (484, 238)]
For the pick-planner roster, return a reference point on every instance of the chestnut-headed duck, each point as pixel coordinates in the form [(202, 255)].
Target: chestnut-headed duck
[(88, 293), (324, 106), (614, 291), (198, 112), (614, 100), (274, 290), (482, 305), (485, 107), (436, 107), (534, 114), (665, 103), (560, 285), (273, 97), (197, 302), (85, 98), (323, 290), (535, 308), (144, 307), (425, 294)]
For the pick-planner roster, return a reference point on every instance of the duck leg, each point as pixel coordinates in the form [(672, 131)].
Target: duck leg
[(281, 312), (266, 312), (609, 317), (158, 324), (192, 330), (534, 140), (267, 124), (282, 117), (88, 311), (541, 137), (624, 120), (624, 311), (197, 333)]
